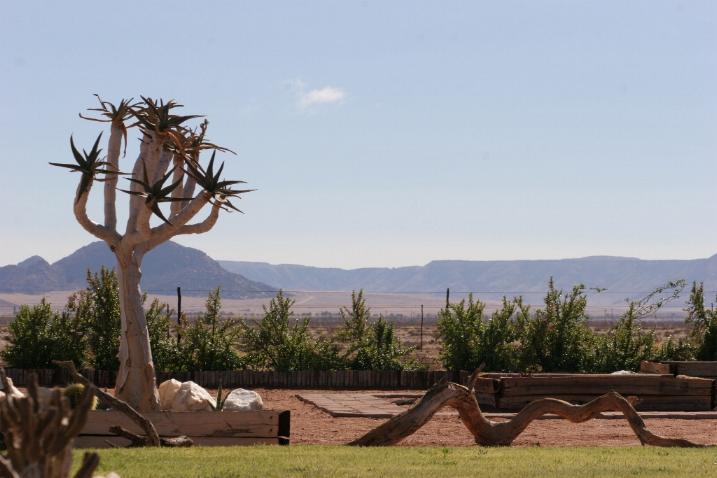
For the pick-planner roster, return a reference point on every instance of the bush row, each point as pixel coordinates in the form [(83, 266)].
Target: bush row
[(554, 338), (87, 332), (557, 338)]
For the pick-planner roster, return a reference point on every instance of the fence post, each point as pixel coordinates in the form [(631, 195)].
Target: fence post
[(448, 297), (420, 346), (179, 313)]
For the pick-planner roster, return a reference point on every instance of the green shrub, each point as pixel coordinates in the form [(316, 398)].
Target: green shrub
[(208, 343), (459, 327), (370, 345), (99, 308), (469, 339), (162, 337), (38, 336), (626, 344), (283, 343), (703, 321), (557, 338)]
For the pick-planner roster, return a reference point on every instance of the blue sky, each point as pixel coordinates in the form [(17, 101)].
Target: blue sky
[(387, 133)]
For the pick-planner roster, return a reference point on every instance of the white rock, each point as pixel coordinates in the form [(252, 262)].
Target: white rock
[(167, 391), (623, 372), (192, 398), (241, 399)]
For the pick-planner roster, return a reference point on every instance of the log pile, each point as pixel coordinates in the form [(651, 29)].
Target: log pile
[(655, 392)]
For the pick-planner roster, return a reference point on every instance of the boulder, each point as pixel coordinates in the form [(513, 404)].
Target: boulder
[(240, 400), (167, 391), (192, 398)]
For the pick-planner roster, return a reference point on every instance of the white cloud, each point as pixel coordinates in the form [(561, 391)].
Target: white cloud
[(320, 96)]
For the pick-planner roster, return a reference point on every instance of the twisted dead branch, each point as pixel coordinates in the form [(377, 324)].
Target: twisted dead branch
[(489, 433)]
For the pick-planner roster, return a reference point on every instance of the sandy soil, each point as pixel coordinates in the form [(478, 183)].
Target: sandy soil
[(310, 425)]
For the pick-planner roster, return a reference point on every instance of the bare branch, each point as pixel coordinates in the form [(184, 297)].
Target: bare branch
[(113, 152), (165, 158), (165, 232), (80, 209), (203, 226), (178, 192)]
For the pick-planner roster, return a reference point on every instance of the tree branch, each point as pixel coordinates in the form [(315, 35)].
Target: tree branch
[(178, 192), (114, 145), (203, 226), (165, 231), (101, 232)]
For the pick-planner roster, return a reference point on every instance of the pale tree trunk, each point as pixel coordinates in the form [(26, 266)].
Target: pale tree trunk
[(136, 382)]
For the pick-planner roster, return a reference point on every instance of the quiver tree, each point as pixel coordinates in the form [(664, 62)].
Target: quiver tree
[(167, 187)]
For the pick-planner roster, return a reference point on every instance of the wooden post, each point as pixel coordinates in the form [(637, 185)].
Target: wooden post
[(179, 313), (448, 297), (420, 347)]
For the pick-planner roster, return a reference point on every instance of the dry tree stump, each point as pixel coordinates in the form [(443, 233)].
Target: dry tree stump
[(489, 433), (39, 438)]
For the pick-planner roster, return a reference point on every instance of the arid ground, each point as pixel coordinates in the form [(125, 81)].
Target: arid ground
[(309, 425)]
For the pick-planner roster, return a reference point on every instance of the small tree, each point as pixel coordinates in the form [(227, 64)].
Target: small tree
[(210, 342), (283, 343), (704, 324), (370, 345), (167, 170)]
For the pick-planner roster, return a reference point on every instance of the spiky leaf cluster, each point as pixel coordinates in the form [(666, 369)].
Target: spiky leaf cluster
[(211, 182), (117, 115), (155, 193), (88, 164)]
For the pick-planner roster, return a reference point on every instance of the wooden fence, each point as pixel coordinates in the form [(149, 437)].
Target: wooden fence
[(311, 379)]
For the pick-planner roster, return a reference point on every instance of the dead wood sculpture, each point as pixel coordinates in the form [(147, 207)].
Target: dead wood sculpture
[(150, 438), (489, 433), (167, 170), (39, 439)]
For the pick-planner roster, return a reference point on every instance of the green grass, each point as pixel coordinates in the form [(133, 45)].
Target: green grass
[(338, 461)]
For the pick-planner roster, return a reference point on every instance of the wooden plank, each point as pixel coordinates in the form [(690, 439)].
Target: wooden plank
[(654, 367), (696, 368), (591, 384), (110, 441), (250, 423), (488, 385), (666, 402)]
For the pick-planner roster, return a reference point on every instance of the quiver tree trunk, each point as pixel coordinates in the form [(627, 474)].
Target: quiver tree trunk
[(168, 149), (136, 382)]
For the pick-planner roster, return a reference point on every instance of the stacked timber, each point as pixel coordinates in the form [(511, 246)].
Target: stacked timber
[(655, 392), (694, 368)]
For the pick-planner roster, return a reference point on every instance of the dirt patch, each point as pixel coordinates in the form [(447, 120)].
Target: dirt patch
[(309, 425)]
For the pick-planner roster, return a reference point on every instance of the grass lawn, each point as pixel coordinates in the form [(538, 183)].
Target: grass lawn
[(337, 461)]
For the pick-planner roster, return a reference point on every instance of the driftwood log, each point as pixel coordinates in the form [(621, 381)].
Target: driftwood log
[(151, 438), (39, 438), (489, 433)]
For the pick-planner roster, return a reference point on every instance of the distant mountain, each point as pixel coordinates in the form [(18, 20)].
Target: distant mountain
[(166, 267), (622, 276)]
